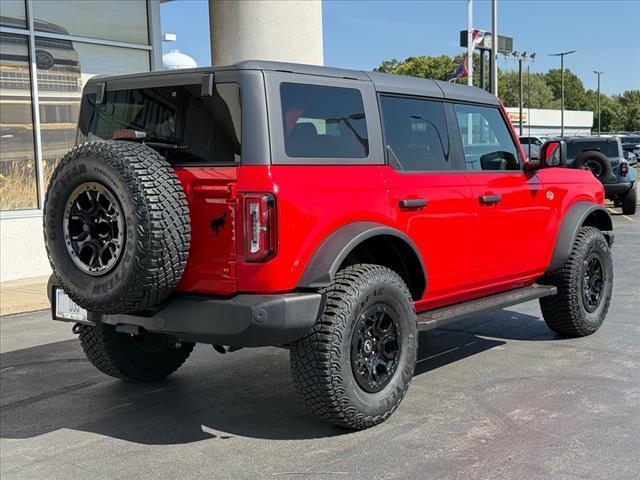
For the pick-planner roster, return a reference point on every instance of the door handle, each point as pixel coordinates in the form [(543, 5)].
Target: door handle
[(490, 199), (409, 203)]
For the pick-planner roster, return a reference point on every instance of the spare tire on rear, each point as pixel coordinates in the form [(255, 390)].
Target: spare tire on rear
[(116, 225), (596, 162)]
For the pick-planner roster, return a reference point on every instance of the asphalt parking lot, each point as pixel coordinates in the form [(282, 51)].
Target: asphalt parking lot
[(497, 396)]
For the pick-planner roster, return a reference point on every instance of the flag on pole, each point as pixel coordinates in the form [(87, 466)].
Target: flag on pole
[(462, 70)]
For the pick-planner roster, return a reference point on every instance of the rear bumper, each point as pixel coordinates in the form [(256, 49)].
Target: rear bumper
[(617, 188), (240, 321)]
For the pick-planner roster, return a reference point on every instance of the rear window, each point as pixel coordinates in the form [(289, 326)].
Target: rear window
[(323, 122), (177, 121), (608, 148)]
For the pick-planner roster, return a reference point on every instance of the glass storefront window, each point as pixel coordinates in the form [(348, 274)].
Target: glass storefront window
[(12, 14), (17, 155), (94, 19), (63, 68)]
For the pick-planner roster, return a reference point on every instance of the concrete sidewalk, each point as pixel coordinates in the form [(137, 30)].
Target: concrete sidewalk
[(25, 295)]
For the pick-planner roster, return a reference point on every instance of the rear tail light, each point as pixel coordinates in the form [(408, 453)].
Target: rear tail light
[(259, 226), (624, 169)]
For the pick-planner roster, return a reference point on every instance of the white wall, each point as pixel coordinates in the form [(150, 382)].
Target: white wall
[(282, 30), (546, 121), (22, 252)]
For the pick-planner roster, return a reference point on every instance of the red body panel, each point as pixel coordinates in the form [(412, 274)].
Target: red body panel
[(469, 249), (211, 193)]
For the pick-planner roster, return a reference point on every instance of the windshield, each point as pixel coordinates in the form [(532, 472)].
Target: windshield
[(177, 121)]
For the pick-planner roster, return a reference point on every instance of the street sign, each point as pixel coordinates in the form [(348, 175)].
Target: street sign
[(505, 44)]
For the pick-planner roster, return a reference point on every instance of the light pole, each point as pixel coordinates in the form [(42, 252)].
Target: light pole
[(494, 47), (598, 74), (561, 55), (470, 43), (521, 57)]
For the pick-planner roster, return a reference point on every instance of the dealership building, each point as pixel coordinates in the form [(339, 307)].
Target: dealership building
[(49, 49)]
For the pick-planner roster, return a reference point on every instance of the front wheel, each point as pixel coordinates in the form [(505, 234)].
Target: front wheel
[(585, 286), (630, 201), (355, 365), (146, 357)]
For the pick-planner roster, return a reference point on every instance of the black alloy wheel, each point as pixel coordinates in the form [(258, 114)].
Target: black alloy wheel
[(375, 348), (94, 228), (593, 282)]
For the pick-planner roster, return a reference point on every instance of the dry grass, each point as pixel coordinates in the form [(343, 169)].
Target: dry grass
[(18, 185)]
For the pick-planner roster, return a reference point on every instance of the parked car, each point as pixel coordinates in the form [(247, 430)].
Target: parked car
[(606, 159), (630, 142), (331, 212), (531, 145)]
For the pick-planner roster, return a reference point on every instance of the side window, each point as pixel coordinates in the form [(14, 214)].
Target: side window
[(416, 131), (485, 138), (323, 122)]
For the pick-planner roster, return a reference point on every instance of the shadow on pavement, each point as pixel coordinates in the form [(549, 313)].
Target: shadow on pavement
[(246, 393)]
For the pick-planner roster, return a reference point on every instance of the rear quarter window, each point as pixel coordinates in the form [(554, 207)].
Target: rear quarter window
[(323, 122)]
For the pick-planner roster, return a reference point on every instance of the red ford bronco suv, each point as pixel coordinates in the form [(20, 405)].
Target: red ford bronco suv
[(331, 212)]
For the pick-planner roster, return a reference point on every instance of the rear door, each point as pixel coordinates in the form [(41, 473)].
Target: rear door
[(510, 207), (429, 194)]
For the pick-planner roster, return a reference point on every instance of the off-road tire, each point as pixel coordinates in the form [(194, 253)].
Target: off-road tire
[(321, 360), (156, 225), (604, 164), (630, 200), (145, 358), (565, 313)]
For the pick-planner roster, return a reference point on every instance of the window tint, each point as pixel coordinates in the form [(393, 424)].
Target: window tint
[(416, 131), (177, 121), (526, 141), (607, 147), (323, 122), (485, 138)]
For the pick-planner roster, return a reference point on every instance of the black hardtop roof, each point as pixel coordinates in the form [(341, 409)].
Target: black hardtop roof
[(383, 82), (592, 139)]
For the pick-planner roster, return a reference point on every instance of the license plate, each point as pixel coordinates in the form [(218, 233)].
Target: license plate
[(67, 309)]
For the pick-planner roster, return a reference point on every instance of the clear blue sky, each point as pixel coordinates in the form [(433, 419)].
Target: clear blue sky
[(360, 34)]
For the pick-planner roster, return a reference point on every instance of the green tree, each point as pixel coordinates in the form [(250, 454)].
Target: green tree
[(574, 93), (436, 68), (536, 92)]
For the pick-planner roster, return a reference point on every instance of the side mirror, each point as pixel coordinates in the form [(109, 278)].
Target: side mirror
[(551, 154)]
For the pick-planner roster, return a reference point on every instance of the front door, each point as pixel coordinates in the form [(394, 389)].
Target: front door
[(512, 211), (430, 200)]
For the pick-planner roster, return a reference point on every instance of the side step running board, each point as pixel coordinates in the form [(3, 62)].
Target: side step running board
[(445, 315)]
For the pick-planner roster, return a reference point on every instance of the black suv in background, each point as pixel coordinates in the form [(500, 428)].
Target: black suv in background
[(605, 158)]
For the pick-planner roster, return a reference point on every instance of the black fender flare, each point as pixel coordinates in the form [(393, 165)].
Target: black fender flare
[(326, 260), (583, 212)]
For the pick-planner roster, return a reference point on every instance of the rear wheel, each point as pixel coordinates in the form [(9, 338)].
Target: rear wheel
[(143, 358), (355, 365), (630, 200), (585, 286)]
